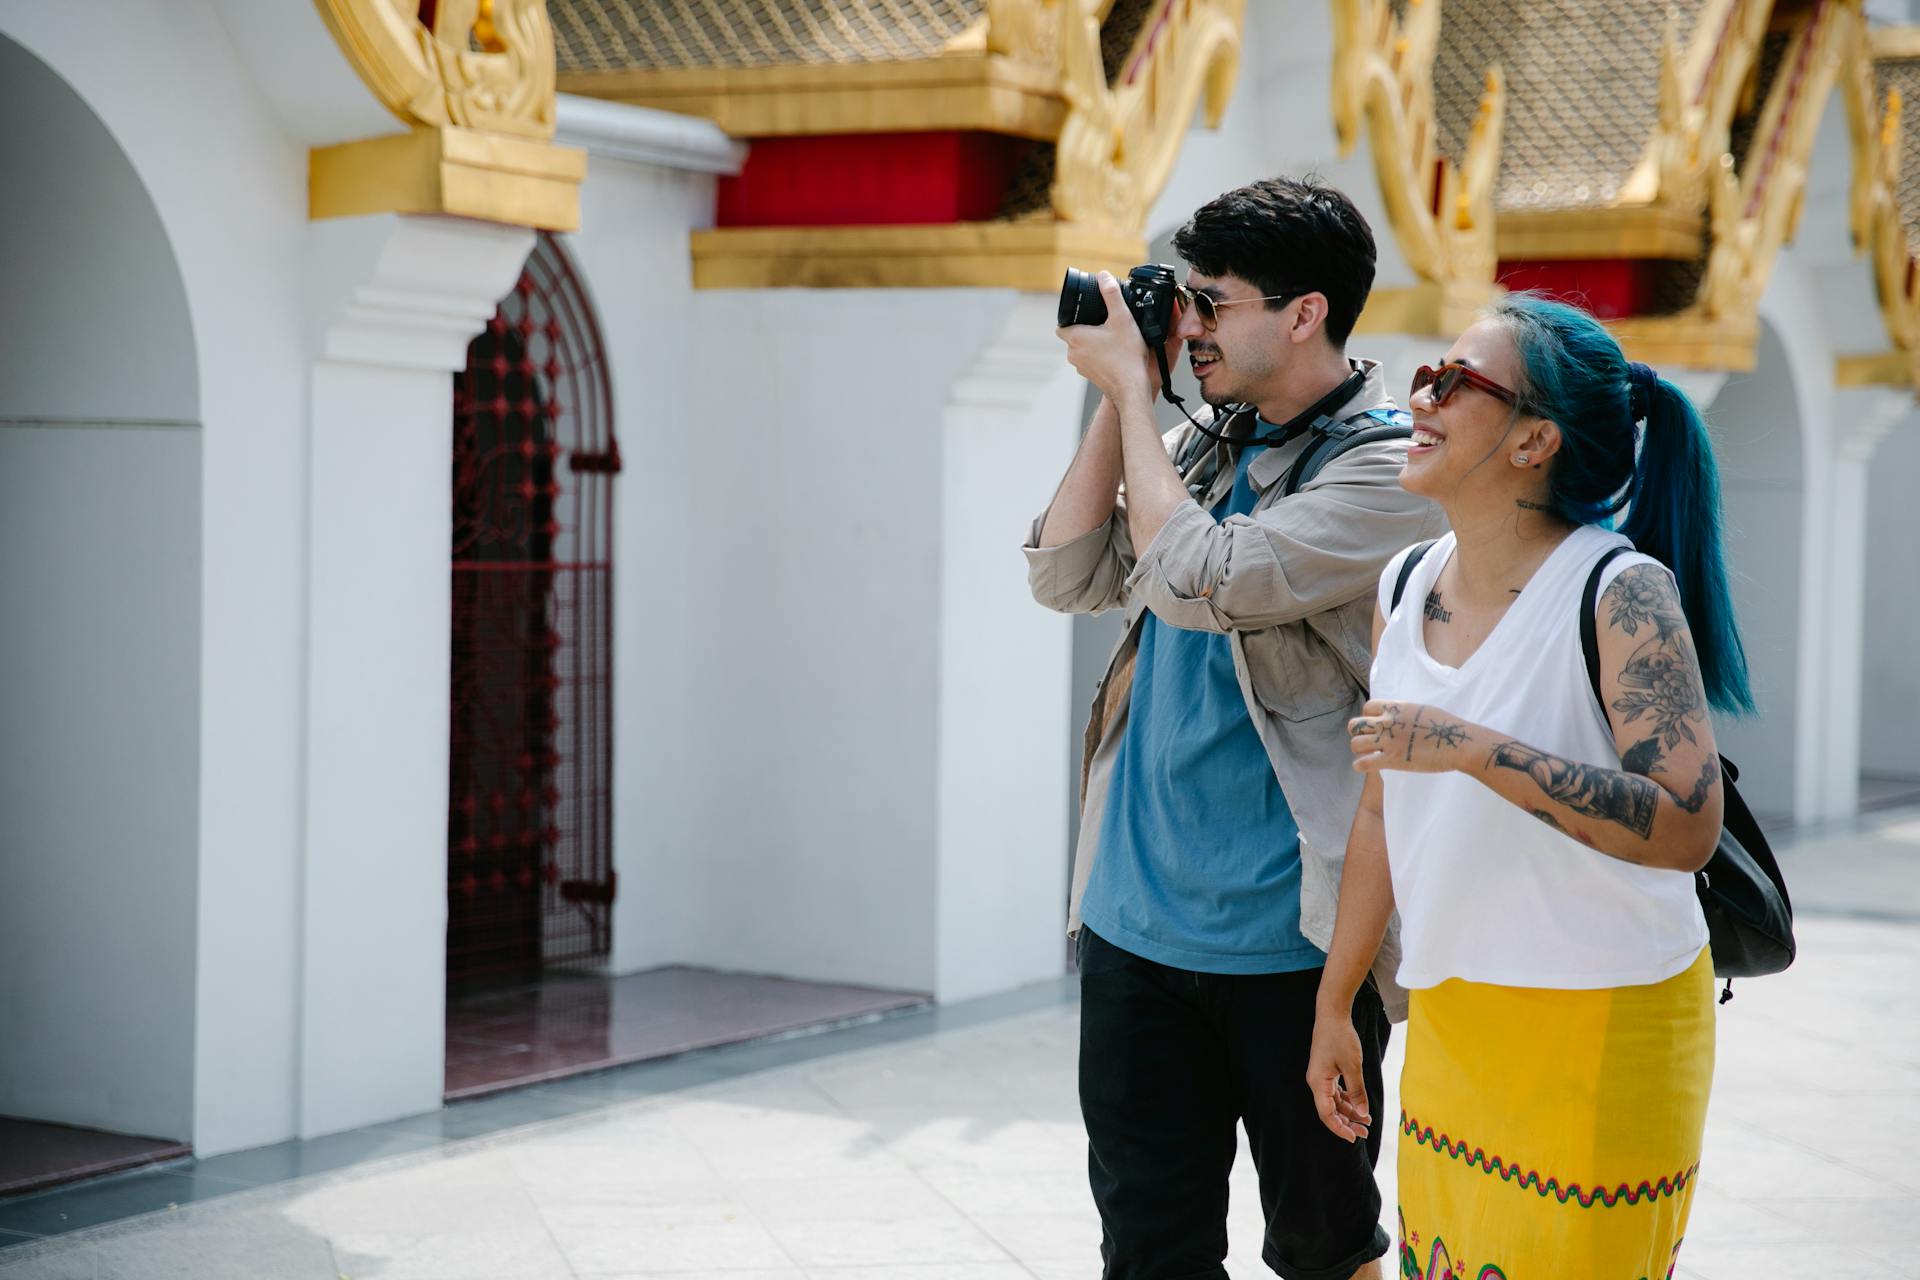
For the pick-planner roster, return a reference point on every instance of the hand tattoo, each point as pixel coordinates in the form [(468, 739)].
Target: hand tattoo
[(1445, 733), (1599, 793), (1433, 609)]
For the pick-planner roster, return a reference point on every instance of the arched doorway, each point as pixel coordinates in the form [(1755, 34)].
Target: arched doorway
[(100, 514), (530, 878)]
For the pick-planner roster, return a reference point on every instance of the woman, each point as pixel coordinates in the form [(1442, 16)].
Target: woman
[(1540, 848)]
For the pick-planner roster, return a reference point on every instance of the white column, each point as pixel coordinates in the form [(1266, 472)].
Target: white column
[(396, 301), (1861, 420), (1010, 427)]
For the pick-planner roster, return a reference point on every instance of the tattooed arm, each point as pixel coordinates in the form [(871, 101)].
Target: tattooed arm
[(1660, 808)]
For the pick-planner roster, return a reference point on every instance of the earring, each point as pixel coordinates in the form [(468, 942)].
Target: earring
[(1519, 459)]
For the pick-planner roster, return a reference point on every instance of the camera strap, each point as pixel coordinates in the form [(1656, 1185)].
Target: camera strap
[(1316, 417)]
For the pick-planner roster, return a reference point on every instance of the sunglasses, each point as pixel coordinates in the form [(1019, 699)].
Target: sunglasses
[(1449, 378), (1209, 310)]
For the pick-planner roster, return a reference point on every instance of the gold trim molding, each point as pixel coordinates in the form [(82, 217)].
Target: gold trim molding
[(1441, 211), (1885, 369), (982, 91), (1639, 231), (1428, 308), (446, 170), (1006, 255)]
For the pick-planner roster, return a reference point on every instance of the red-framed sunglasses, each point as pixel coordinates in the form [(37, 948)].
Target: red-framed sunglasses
[(1449, 378)]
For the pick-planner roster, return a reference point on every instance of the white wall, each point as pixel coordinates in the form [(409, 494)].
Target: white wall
[(1889, 742), (99, 643), (1759, 448), (230, 192), (812, 594), (631, 252)]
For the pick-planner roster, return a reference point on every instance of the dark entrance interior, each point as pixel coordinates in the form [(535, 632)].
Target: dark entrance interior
[(530, 878)]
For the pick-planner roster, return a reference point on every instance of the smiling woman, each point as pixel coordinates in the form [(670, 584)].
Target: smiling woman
[(1538, 844)]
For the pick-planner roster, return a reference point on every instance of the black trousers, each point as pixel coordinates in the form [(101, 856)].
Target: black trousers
[(1170, 1061)]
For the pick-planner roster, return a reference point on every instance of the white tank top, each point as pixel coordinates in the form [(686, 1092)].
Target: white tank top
[(1486, 891)]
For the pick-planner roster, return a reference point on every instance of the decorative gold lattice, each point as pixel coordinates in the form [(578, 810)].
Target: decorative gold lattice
[(624, 35)]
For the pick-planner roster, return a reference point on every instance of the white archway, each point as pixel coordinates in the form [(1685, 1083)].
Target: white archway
[(100, 656)]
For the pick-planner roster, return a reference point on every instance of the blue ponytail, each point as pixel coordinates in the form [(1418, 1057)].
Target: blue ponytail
[(1575, 375)]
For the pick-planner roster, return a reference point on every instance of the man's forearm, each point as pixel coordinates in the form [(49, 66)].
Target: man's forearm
[(1086, 496), (1154, 487)]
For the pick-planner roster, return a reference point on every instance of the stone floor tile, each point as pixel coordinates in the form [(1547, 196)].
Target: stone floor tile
[(940, 1271), (607, 1240), (885, 1197), (949, 1238), (1812, 1261)]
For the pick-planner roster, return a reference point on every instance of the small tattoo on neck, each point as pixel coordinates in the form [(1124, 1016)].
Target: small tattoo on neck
[(1433, 609), (1525, 505)]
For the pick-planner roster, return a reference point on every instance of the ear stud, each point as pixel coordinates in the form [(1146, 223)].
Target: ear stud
[(1520, 459)]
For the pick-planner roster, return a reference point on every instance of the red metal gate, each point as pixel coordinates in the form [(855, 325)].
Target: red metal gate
[(529, 829)]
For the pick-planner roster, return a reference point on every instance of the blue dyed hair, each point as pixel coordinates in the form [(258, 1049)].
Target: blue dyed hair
[(1575, 375)]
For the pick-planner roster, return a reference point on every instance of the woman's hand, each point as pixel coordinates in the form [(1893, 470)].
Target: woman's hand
[(1334, 1074), (1410, 736)]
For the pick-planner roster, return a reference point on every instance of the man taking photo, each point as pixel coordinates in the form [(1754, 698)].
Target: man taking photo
[(1217, 792)]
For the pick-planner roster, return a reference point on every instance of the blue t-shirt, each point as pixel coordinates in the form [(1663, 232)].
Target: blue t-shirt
[(1199, 862)]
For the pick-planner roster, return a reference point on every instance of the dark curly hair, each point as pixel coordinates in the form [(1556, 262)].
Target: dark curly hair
[(1291, 236)]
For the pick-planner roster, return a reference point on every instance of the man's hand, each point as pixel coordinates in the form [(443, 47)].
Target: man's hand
[(1113, 356), (1409, 736)]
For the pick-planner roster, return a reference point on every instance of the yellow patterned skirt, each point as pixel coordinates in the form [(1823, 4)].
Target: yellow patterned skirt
[(1552, 1135)]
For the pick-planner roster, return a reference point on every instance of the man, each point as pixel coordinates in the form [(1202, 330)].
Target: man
[(1218, 793)]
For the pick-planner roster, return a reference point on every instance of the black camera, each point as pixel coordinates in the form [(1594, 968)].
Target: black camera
[(1149, 291)]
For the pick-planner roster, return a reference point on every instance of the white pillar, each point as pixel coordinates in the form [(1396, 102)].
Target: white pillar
[(1861, 420), (396, 301), (1010, 428)]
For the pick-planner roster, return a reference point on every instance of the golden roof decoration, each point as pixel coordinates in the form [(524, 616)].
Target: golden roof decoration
[(1882, 93), (1618, 112), (626, 35), (1440, 210)]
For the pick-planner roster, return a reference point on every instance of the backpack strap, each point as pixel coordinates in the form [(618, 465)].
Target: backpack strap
[(1331, 439), (1406, 570), (1590, 630)]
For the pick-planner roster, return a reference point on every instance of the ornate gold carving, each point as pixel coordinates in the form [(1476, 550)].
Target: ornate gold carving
[(1441, 211), (1119, 141), (1752, 214), (1701, 85), (486, 64)]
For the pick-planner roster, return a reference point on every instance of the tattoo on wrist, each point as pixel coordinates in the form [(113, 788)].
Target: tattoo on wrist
[(1622, 798)]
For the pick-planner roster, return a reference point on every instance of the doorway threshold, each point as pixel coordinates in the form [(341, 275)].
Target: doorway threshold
[(568, 1025), (35, 1155)]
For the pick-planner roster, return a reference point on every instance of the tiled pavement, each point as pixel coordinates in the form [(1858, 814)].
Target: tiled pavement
[(946, 1151)]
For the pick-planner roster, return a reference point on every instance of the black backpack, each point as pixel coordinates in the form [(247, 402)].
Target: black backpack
[(1742, 893)]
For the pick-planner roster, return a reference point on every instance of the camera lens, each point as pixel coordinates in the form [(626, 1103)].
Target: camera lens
[(1080, 300)]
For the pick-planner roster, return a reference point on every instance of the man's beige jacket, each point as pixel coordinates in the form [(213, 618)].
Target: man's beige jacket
[(1291, 585)]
